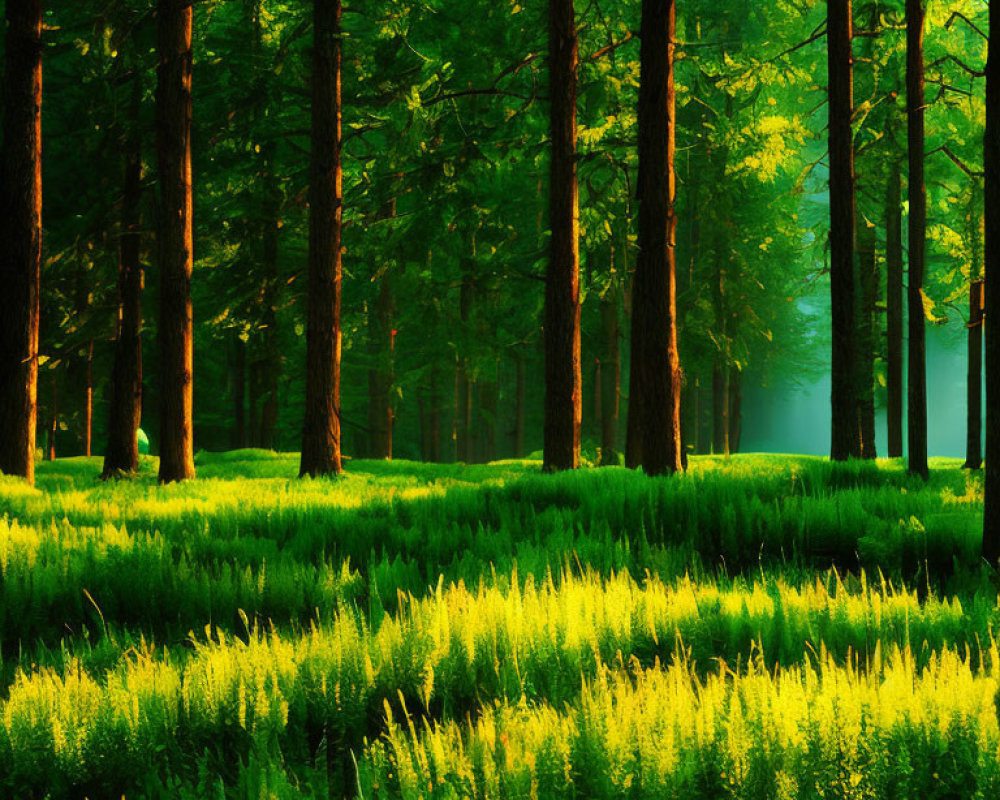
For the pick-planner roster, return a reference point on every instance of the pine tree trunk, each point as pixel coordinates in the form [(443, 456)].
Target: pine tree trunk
[(270, 357), (916, 420), (239, 392), (735, 410), (610, 377), (520, 392), (844, 422), (88, 401), (867, 341), (991, 204), (380, 375), (894, 312), (654, 328), (53, 420), (175, 240), (122, 454), (489, 403), (563, 408), (720, 409), (21, 234), (321, 429), (974, 417)]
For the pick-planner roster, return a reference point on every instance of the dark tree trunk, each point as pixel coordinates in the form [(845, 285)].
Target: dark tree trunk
[(122, 454), (520, 405), (654, 305), (735, 410), (21, 234), (53, 420), (270, 356), (844, 423), (88, 401), (489, 402), (380, 375), (720, 409), (894, 313), (175, 240), (704, 417), (465, 451), (239, 389), (974, 423), (610, 376), (991, 203), (916, 418), (253, 399), (867, 342), (321, 429), (433, 435), (563, 409)]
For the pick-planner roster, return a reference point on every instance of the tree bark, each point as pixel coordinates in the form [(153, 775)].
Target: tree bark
[(894, 312), (270, 356), (991, 203), (654, 325), (974, 417), (867, 341), (735, 410), (175, 240), (916, 419), (563, 408), (321, 429), (21, 234), (88, 401), (720, 409), (844, 424), (610, 387), (122, 454)]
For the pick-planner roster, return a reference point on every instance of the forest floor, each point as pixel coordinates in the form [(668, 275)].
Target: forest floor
[(763, 626)]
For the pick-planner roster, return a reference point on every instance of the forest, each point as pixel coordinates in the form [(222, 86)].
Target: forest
[(564, 399)]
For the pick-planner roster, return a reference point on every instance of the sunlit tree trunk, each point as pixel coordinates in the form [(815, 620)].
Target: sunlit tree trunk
[(175, 240), (563, 407), (991, 164), (844, 422), (916, 383), (894, 312), (321, 429), (21, 236)]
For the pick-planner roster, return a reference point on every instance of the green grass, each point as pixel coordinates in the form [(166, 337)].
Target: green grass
[(251, 634)]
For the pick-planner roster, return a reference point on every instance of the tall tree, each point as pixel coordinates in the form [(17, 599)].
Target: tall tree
[(21, 235), (321, 430), (654, 302), (174, 237), (845, 441), (916, 383), (991, 168), (122, 454), (563, 383), (974, 383), (894, 311)]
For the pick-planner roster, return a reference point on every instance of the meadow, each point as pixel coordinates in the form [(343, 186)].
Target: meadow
[(760, 627)]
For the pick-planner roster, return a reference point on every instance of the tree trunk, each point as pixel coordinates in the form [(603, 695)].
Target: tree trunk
[(654, 305), (434, 420), (489, 402), (520, 392), (321, 429), (270, 356), (21, 234), (122, 454), (720, 409), (894, 312), (916, 418), (239, 391), (175, 240), (735, 410), (610, 387), (991, 203), (380, 374), (844, 424), (867, 341), (54, 420), (88, 401), (465, 452), (563, 409), (974, 424)]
